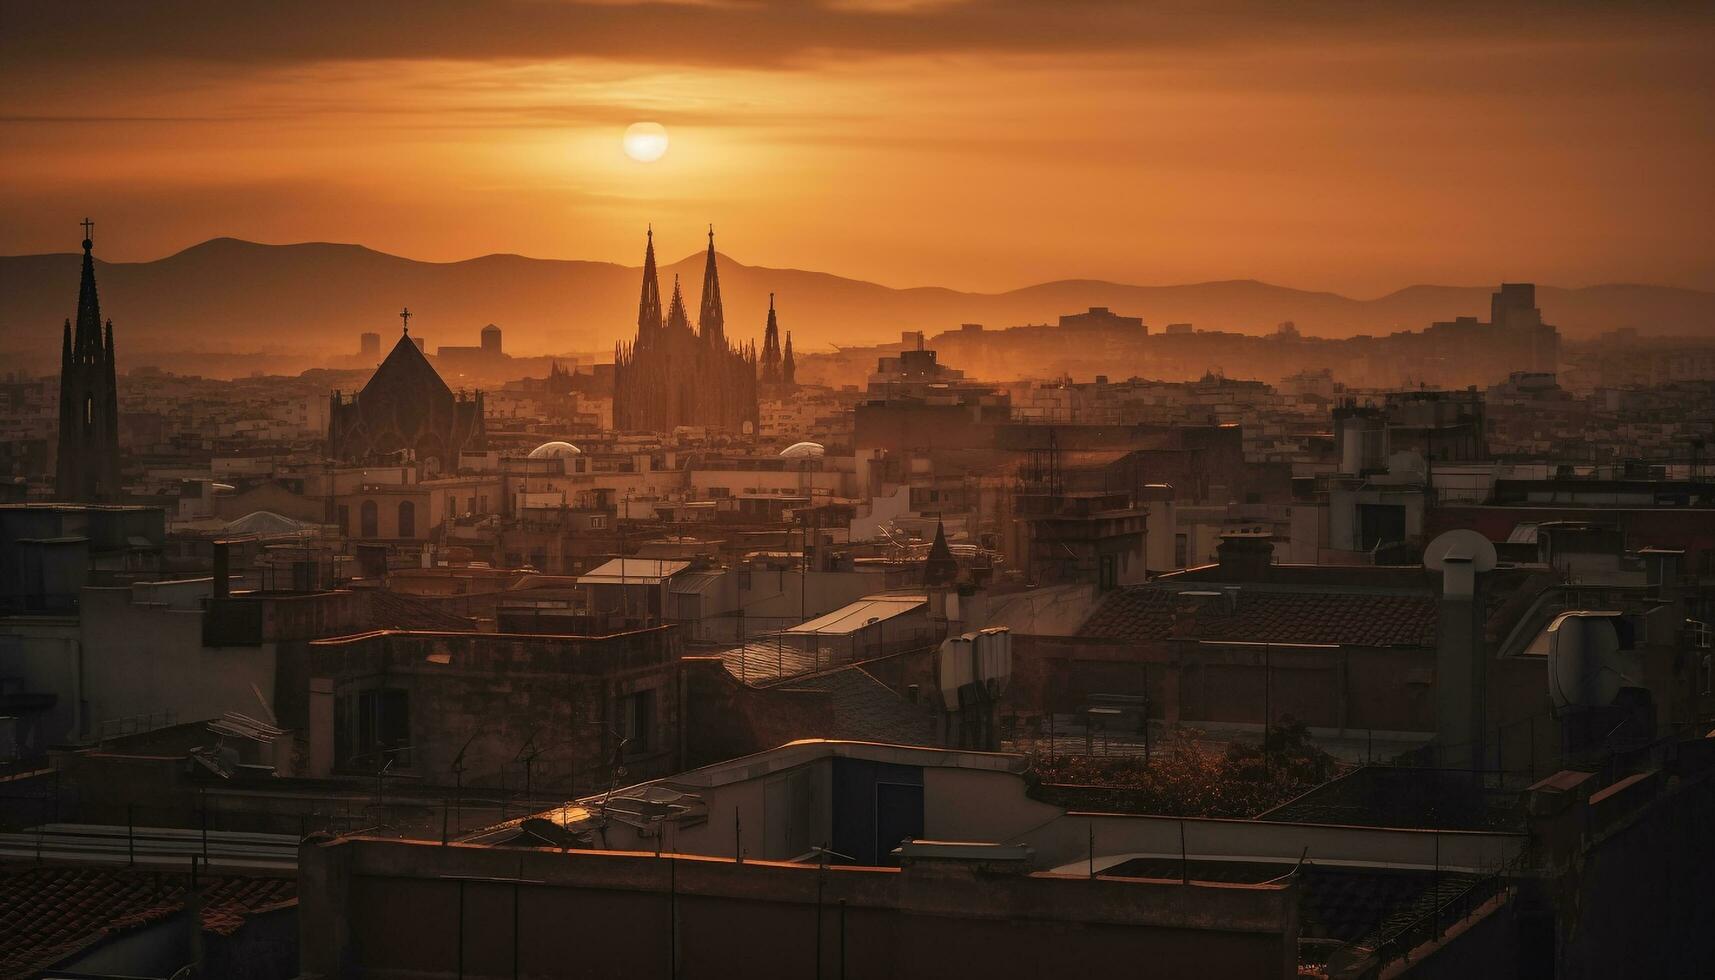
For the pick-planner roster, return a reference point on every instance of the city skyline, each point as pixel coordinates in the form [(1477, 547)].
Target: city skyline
[(1329, 148), (857, 488)]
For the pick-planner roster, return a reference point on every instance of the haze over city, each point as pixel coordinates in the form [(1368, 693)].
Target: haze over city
[(1357, 148), (856, 488)]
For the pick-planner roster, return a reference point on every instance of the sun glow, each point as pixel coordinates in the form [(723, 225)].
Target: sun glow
[(645, 142)]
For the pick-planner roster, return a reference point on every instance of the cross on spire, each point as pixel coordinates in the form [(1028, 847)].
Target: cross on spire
[(88, 230), (405, 318)]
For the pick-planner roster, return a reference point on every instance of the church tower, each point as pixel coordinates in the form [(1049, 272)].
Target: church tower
[(788, 369), (649, 303), (771, 347), (673, 375), (711, 320), (88, 470)]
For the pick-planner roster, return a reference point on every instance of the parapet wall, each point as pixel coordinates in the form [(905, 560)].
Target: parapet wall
[(411, 909)]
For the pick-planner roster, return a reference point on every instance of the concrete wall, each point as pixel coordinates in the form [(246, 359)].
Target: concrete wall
[(1637, 901), (1055, 610), (43, 655), (568, 691), (405, 909), (979, 805), (1352, 688), (143, 654)]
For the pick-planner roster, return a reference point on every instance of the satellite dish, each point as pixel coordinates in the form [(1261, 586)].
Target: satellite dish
[(1586, 666), (1460, 544)]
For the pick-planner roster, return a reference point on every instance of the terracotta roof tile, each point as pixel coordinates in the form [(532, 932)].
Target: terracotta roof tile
[(48, 913), (390, 610), (1352, 619)]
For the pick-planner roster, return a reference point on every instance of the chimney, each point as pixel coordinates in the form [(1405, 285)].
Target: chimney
[(1460, 668), (1245, 558), (222, 570)]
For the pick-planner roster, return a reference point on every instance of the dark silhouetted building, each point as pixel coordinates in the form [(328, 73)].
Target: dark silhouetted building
[(671, 376), (771, 347), (406, 406), (89, 399)]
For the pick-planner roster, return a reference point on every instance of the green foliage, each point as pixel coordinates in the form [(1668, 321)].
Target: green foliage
[(1186, 779)]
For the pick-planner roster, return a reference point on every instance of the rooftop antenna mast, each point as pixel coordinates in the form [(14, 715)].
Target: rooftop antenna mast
[(458, 779), (822, 855), (527, 754), (615, 767)]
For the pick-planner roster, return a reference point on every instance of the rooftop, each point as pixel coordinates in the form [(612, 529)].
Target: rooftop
[(50, 913), (1259, 615), (863, 613), (633, 571)]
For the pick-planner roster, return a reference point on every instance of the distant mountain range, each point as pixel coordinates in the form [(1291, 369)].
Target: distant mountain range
[(232, 296)]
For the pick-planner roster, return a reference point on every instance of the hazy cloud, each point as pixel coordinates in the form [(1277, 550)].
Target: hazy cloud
[(85, 36)]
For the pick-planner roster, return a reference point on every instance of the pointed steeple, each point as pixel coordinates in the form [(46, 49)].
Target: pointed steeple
[(88, 465), (649, 302), (788, 368), (676, 316), (711, 320), (771, 346), (940, 568), (87, 340)]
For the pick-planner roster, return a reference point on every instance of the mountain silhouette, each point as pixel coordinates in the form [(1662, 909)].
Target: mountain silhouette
[(228, 295)]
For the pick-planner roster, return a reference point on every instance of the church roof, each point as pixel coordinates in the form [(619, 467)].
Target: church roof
[(267, 522), (406, 368)]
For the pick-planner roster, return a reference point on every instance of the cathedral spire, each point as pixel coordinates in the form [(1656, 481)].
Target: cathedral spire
[(86, 342), (649, 302), (711, 321), (788, 369), (771, 346), (676, 316), (88, 464)]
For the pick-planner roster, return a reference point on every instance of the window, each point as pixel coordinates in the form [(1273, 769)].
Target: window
[(345, 519), (373, 728), (370, 516), (1380, 524), (598, 523), (407, 519), (637, 721), (1109, 573)]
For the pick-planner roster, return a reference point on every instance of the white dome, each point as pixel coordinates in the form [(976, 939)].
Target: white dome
[(803, 450), (555, 450)]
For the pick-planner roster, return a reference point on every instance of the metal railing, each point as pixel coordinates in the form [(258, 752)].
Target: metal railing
[(1442, 915)]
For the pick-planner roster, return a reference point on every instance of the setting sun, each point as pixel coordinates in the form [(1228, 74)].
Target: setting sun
[(645, 142)]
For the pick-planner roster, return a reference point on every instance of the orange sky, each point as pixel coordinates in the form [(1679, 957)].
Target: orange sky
[(1349, 146)]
